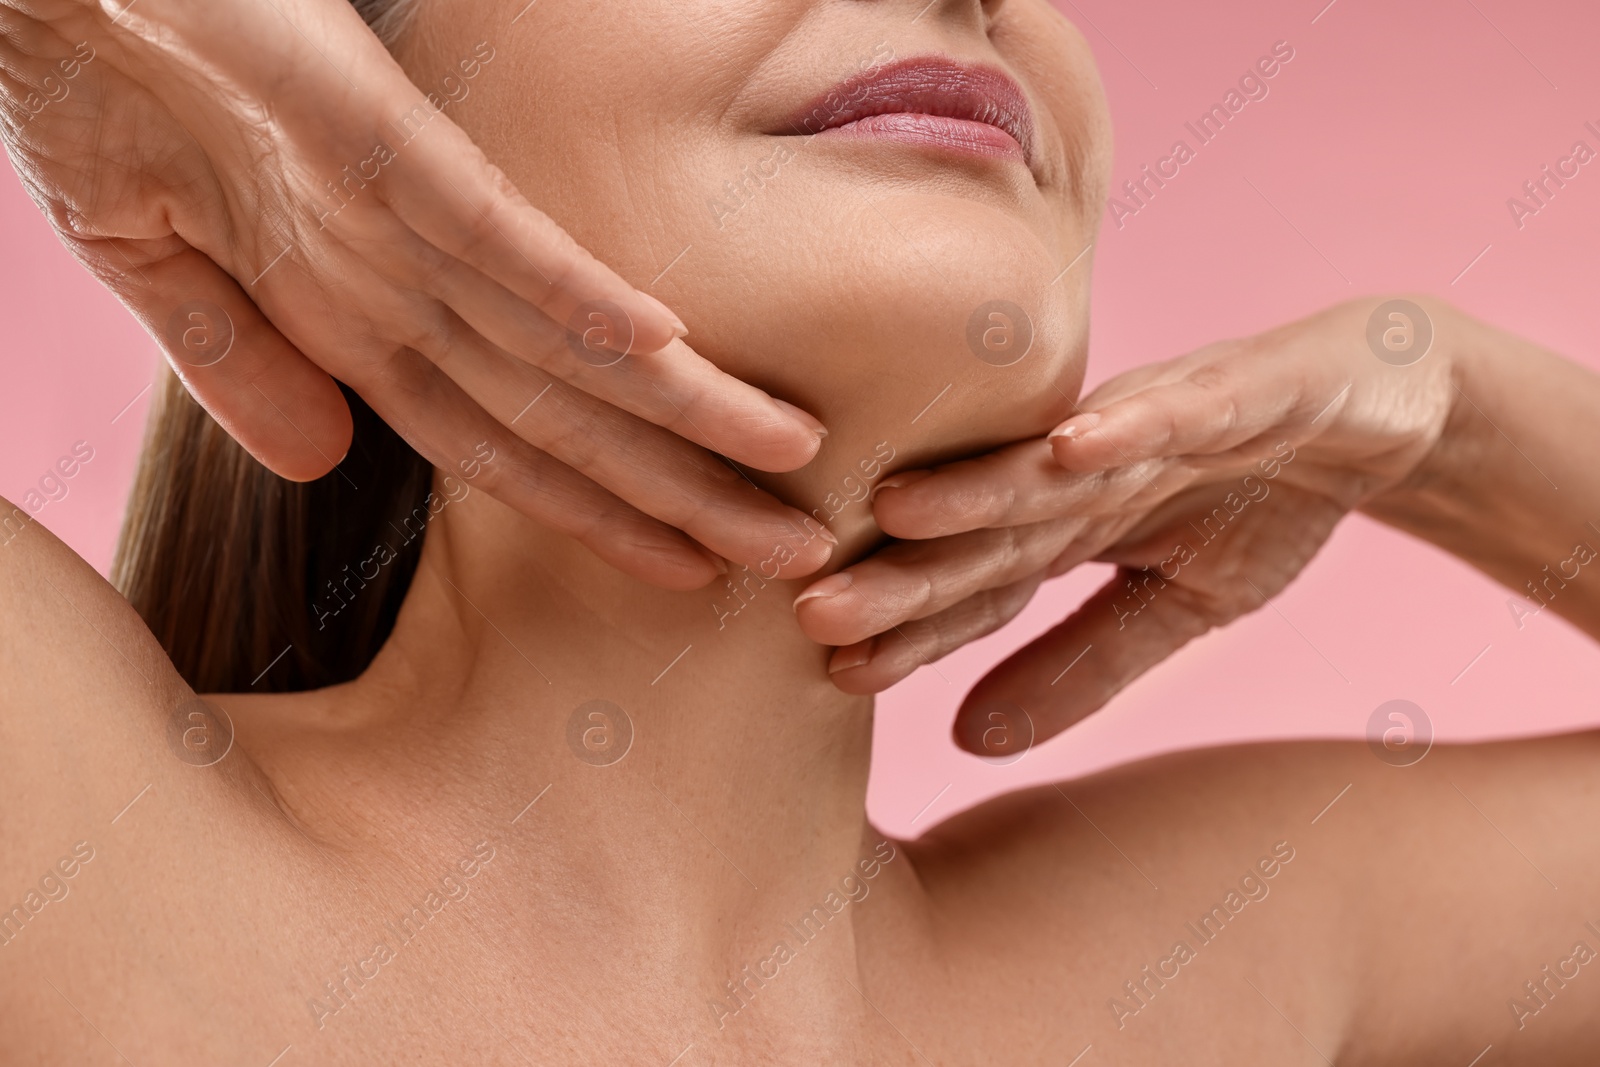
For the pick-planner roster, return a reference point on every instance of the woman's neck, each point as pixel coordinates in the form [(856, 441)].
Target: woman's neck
[(521, 663)]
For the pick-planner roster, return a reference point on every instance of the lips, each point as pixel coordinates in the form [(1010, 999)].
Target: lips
[(927, 101)]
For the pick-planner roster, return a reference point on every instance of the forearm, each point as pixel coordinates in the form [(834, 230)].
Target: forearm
[(1513, 485)]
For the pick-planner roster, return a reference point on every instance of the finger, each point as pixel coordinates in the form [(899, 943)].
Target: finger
[(674, 387), (1219, 407), (1149, 610), (1137, 379), (448, 192), (650, 468), (1074, 668), (875, 664), (914, 580), (284, 410), (1012, 486), (447, 427)]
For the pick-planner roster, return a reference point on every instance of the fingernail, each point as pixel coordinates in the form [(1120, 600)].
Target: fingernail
[(678, 328), (826, 534), (900, 481), (852, 656), (802, 416), (827, 588), (1076, 426), (716, 561)]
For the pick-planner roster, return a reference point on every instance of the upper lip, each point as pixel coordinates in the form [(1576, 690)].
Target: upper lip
[(929, 85)]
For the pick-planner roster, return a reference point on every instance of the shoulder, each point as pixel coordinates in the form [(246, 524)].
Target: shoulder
[(1369, 868), (1176, 814), (65, 631), (1078, 885), (1166, 810), (1189, 817), (86, 695)]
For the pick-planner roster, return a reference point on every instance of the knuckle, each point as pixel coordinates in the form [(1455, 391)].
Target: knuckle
[(427, 327), (1007, 502), (504, 189), (1206, 607), (568, 258), (527, 481), (979, 616), (967, 501), (578, 443), (480, 239), (1211, 377), (1019, 549), (428, 269), (925, 591), (1013, 598), (1228, 416)]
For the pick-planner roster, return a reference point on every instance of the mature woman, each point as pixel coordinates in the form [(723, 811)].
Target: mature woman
[(540, 811)]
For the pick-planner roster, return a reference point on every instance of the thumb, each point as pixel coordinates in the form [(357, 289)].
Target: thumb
[(1131, 624), (1140, 618), (285, 410)]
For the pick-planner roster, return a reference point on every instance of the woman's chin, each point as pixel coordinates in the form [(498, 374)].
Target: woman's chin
[(952, 327), (919, 323)]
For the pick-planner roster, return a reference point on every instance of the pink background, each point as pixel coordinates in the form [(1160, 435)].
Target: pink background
[(1381, 160)]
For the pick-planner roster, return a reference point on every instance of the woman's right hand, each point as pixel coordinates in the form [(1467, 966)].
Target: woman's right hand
[(186, 152)]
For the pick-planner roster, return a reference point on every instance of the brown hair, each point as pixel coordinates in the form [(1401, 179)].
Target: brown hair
[(388, 18), (236, 570)]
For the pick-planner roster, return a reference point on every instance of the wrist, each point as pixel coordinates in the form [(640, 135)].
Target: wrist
[(1442, 486)]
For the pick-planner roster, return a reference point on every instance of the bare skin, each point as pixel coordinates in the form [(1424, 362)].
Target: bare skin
[(188, 155), (614, 911), (603, 911)]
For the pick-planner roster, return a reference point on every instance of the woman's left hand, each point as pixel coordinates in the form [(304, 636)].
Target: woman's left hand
[(1210, 480)]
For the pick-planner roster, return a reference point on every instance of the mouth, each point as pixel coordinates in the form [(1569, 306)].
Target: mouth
[(930, 101)]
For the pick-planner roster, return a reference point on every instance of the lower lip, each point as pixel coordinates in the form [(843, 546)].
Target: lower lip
[(960, 135)]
